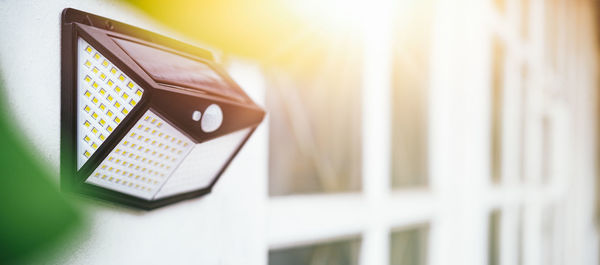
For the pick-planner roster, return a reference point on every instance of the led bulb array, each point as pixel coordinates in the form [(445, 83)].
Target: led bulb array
[(144, 159), (105, 96)]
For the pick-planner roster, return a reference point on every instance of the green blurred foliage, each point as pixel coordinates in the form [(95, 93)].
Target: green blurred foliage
[(34, 215)]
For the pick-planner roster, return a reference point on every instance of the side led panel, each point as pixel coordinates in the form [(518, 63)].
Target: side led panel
[(105, 96), (144, 159), (203, 164)]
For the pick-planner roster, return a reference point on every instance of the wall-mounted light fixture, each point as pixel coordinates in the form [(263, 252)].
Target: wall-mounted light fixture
[(145, 120)]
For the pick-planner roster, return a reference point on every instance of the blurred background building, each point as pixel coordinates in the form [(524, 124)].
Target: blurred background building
[(405, 132)]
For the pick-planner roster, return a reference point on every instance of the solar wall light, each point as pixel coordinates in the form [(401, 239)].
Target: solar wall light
[(145, 120)]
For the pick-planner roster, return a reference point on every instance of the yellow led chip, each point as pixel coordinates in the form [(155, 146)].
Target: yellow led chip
[(105, 63), (109, 113), (86, 154), (110, 129), (88, 49), (102, 91), (96, 56), (87, 108), (113, 70), (94, 130), (153, 121), (125, 96), (86, 138), (102, 76), (110, 82), (102, 107), (95, 70), (95, 146), (132, 102), (87, 124), (138, 92), (146, 118), (87, 63), (95, 100), (130, 85), (87, 93), (121, 77), (109, 97), (117, 119), (124, 111), (95, 115), (117, 89), (117, 104), (87, 78), (95, 85), (102, 137)]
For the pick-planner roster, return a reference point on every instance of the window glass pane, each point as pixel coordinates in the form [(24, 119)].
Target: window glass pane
[(334, 253), (409, 246), (523, 121), (546, 149), (551, 31), (498, 60), (494, 238), (409, 165), (315, 122), (500, 6), (525, 5), (547, 232), (521, 236)]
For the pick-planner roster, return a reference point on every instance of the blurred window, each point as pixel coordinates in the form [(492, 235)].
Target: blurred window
[(344, 252), (547, 242), (523, 121), (525, 7), (546, 149), (315, 123), (409, 246), (551, 28), (411, 79), (521, 236), (500, 6), (497, 94), (494, 238)]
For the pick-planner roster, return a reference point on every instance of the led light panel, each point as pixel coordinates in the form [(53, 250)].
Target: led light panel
[(203, 164), (165, 138), (105, 96), (144, 159)]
